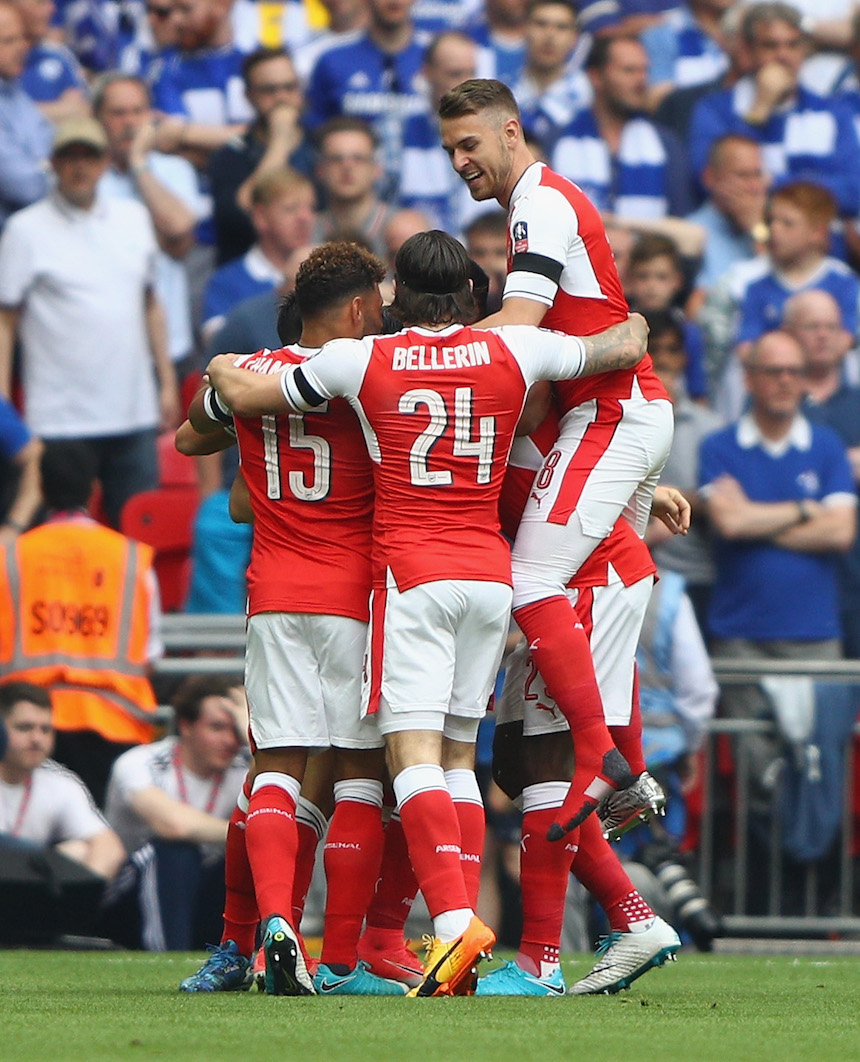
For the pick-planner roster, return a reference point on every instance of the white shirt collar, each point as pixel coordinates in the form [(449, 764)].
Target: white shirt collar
[(799, 436), (260, 268)]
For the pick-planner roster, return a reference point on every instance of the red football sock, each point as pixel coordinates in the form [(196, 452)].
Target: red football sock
[(353, 854), (559, 646), (544, 870), (397, 885), (598, 868), (272, 840), (463, 787), (241, 916), (433, 836), (628, 739), (310, 825)]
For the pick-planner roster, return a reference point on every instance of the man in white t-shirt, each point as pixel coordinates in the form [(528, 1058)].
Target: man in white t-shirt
[(42, 802), (77, 276), (165, 184), (170, 803)]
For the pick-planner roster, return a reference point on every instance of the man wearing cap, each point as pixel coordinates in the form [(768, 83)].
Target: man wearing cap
[(76, 289)]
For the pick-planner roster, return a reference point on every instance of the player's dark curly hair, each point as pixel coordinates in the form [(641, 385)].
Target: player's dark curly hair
[(333, 273), (432, 271)]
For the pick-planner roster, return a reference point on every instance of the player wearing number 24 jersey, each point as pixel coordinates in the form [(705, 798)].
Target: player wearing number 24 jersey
[(438, 404)]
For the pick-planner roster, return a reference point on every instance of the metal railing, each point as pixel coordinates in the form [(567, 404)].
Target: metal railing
[(725, 858)]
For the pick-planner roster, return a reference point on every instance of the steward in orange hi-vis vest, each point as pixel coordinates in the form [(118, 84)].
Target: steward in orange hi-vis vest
[(74, 617)]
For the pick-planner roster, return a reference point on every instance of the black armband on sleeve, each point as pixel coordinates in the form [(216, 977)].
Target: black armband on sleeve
[(527, 262), (311, 397)]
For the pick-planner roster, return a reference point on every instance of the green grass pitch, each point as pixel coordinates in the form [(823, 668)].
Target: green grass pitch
[(66, 1006)]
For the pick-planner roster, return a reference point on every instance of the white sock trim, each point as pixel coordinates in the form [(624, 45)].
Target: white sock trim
[(421, 778), (544, 795), (360, 790), (292, 786), (309, 814), (450, 924), (463, 786)]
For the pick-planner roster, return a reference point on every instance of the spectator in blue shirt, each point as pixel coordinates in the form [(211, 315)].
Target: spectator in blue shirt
[(833, 398), (685, 48), (282, 210), (781, 499), (52, 76), (375, 78), (733, 216), (25, 134), (427, 181), (749, 300), (804, 136), (202, 80), (552, 86), (500, 30), (20, 481), (623, 161)]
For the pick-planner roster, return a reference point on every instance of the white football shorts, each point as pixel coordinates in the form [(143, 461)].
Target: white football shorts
[(434, 651), (303, 681), (612, 616), (606, 461)]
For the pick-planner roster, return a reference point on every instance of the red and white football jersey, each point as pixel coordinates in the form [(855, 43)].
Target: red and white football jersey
[(558, 254), (622, 548), (311, 488), (438, 409)]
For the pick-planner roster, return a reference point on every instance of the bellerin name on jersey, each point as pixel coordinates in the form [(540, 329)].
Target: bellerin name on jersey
[(464, 355)]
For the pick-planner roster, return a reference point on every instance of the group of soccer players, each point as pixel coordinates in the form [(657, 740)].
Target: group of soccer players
[(376, 474)]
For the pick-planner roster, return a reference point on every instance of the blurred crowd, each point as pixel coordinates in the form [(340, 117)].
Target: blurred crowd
[(165, 166)]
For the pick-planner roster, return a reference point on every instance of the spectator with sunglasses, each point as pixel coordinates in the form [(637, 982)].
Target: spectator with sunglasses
[(274, 139)]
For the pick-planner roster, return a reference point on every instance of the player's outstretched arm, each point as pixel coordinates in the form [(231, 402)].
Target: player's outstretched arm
[(622, 346), (246, 393), (193, 443)]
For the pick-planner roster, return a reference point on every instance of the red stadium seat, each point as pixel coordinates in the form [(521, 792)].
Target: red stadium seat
[(164, 519), (174, 468)]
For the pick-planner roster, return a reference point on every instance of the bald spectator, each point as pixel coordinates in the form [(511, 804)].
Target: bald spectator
[(282, 210), (166, 185), (803, 136), (274, 139), (815, 320), (77, 276), (41, 802), (781, 500), (427, 181), (733, 215), (25, 134), (348, 173)]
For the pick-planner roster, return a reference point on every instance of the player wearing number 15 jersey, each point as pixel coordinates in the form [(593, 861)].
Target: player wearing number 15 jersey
[(438, 404), (310, 486), (615, 429)]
